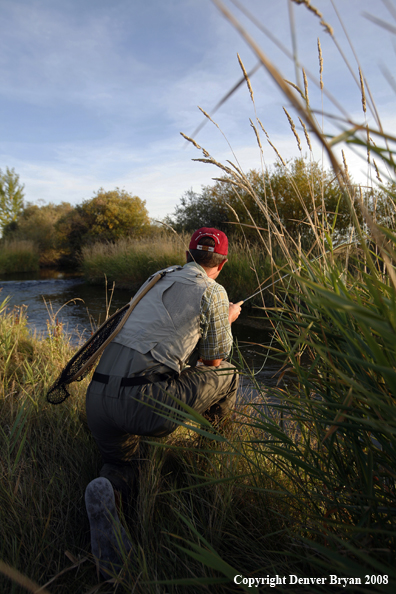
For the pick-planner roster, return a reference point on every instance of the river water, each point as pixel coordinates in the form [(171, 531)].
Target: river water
[(81, 308)]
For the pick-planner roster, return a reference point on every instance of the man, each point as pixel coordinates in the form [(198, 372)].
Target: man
[(150, 368)]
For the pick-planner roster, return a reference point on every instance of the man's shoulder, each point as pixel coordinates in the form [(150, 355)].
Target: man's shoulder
[(218, 288), (215, 293)]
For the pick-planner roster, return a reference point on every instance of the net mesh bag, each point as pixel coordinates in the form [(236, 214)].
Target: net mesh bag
[(81, 363)]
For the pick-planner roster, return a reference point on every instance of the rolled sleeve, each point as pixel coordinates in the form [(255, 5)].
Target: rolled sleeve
[(216, 341)]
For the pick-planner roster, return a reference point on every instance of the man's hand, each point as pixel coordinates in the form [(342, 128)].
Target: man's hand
[(234, 311), (212, 362)]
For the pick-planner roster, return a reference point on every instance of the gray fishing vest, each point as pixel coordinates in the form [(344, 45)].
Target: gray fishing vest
[(166, 322)]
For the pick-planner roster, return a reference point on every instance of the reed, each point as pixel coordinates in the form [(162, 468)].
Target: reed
[(18, 256), (330, 433), (129, 263), (46, 455)]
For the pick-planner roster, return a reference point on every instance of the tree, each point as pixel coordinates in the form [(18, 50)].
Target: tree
[(308, 193), (115, 214), (37, 223), (207, 209), (11, 197), (289, 197), (108, 216)]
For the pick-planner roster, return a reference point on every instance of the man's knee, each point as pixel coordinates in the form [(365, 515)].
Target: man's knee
[(229, 373)]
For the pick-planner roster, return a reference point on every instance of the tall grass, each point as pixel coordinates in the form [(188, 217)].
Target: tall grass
[(46, 456), (331, 433), (130, 262), (18, 256), (277, 492)]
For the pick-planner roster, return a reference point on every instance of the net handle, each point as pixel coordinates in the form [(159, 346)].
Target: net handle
[(131, 306)]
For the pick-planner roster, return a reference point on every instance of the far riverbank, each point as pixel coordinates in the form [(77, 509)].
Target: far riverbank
[(129, 263)]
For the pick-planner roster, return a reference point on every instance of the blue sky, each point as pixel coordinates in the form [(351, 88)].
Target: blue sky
[(95, 93)]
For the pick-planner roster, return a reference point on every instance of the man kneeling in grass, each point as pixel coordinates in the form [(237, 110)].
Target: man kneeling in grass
[(151, 365)]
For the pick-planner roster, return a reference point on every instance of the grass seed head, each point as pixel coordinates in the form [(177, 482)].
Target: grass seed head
[(328, 28), (295, 87), (245, 74), (317, 13), (256, 133), (277, 152), (320, 64), (368, 142), (308, 4), (191, 140), (263, 129), (306, 134), (377, 173), (293, 127), (207, 116), (305, 87), (345, 165), (362, 90)]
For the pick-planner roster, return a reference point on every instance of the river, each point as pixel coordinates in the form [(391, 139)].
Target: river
[(80, 308)]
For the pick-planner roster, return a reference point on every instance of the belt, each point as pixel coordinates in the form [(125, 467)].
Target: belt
[(138, 380)]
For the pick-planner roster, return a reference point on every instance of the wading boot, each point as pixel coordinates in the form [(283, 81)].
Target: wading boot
[(109, 542)]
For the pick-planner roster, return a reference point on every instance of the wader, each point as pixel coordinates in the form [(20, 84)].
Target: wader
[(151, 351)]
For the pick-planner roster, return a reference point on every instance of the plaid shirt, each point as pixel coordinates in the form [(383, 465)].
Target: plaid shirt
[(216, 341)]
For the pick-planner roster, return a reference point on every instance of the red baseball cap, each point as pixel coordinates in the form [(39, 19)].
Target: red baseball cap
[(220, 239)]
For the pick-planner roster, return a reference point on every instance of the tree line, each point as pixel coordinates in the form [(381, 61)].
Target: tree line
[(59, 231), (289, 197)]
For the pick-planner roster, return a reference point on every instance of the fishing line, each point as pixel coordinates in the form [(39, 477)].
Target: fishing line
[(296, 270)]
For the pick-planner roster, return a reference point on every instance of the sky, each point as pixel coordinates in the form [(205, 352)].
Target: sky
[(94, 94)]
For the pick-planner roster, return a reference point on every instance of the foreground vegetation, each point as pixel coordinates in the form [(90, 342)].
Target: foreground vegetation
[(300, 482), (297, 487), (47, 458)]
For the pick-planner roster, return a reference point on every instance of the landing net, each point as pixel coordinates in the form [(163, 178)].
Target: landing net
[(78, 367)]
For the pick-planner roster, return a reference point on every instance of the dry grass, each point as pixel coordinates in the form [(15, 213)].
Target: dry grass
[(129, 263), (18, 256)]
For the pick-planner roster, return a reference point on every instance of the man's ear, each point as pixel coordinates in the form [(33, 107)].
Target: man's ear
[(220, 266)]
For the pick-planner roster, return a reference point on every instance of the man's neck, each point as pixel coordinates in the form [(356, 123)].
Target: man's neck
[(212, 273)]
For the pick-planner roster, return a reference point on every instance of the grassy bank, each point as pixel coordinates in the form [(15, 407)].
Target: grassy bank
[(18, 256), (129, 263)]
